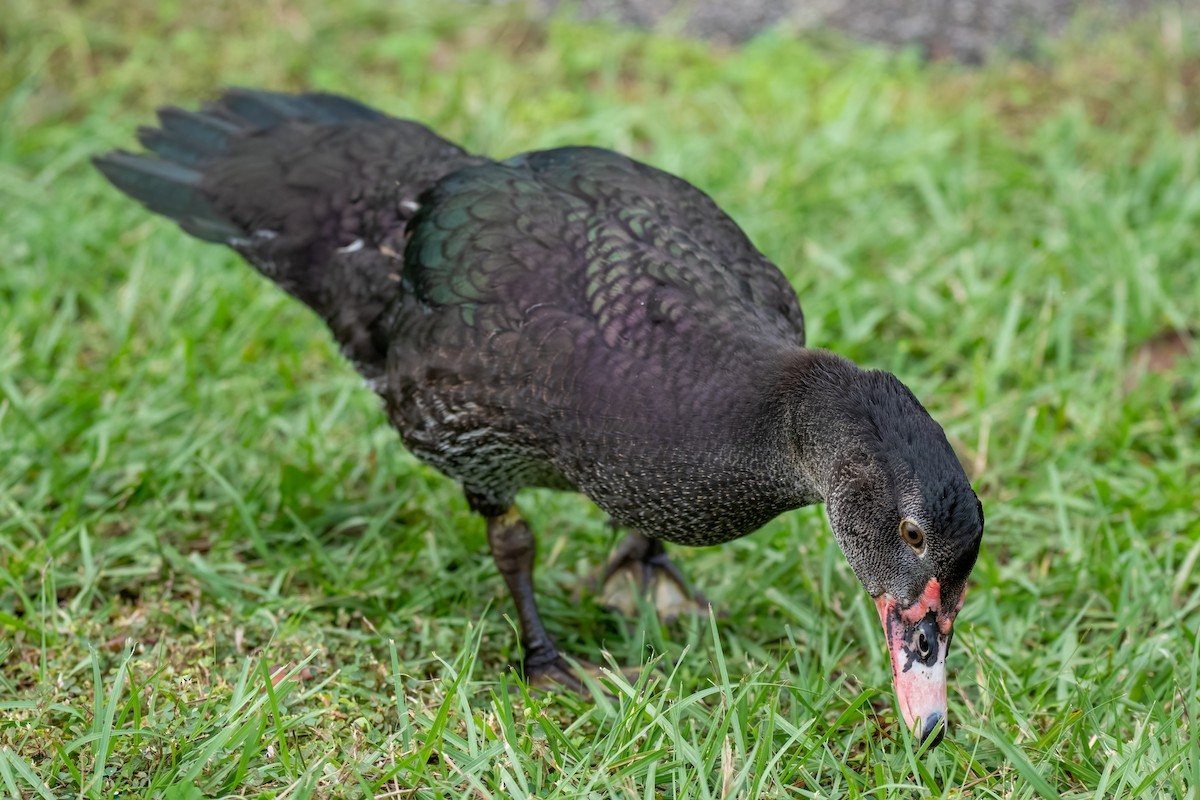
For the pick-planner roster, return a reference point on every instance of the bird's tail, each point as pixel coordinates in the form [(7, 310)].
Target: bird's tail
[(314, 190)]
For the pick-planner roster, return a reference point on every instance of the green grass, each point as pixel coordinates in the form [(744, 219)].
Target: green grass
[(195, 492)]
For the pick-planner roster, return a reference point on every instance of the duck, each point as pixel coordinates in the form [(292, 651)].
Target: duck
[(575, 319)]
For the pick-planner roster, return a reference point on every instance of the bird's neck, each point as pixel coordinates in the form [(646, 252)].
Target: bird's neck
[(817, 400)]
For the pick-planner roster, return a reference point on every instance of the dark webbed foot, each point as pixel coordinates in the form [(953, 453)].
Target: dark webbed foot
[(562, 673), (512, 545), (641, 566)]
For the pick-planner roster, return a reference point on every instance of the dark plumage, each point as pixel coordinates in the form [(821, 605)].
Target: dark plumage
[(574, 319)]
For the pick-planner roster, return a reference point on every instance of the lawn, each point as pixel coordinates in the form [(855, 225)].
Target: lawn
[(223, 576)]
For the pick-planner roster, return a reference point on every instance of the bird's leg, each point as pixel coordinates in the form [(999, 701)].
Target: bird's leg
[(644, 563), (513, 549)]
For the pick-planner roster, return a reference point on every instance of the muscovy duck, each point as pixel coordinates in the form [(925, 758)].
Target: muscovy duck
[(574, 319)]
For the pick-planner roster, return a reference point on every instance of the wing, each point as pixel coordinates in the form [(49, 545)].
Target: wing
[(640, 256)]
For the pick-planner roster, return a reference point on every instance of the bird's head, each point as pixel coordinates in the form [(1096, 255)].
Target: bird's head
[(910, 525)]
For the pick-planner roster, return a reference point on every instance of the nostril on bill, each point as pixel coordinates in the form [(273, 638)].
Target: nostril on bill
[(925, 641)]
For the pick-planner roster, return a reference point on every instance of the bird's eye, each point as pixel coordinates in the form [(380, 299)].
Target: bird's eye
[(912, 535), (923, 645)]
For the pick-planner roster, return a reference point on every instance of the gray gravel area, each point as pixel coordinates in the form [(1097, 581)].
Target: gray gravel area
[(969, 30)]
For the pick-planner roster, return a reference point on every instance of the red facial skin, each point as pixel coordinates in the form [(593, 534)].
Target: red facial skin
[(920, 686)]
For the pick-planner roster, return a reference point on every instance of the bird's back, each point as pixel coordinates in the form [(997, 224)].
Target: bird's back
[(575, 318)]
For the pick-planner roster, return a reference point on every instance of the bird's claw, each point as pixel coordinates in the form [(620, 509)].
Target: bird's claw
[(642, 568)]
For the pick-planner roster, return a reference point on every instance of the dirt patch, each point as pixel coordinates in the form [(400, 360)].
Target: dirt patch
[(1160, 353)]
